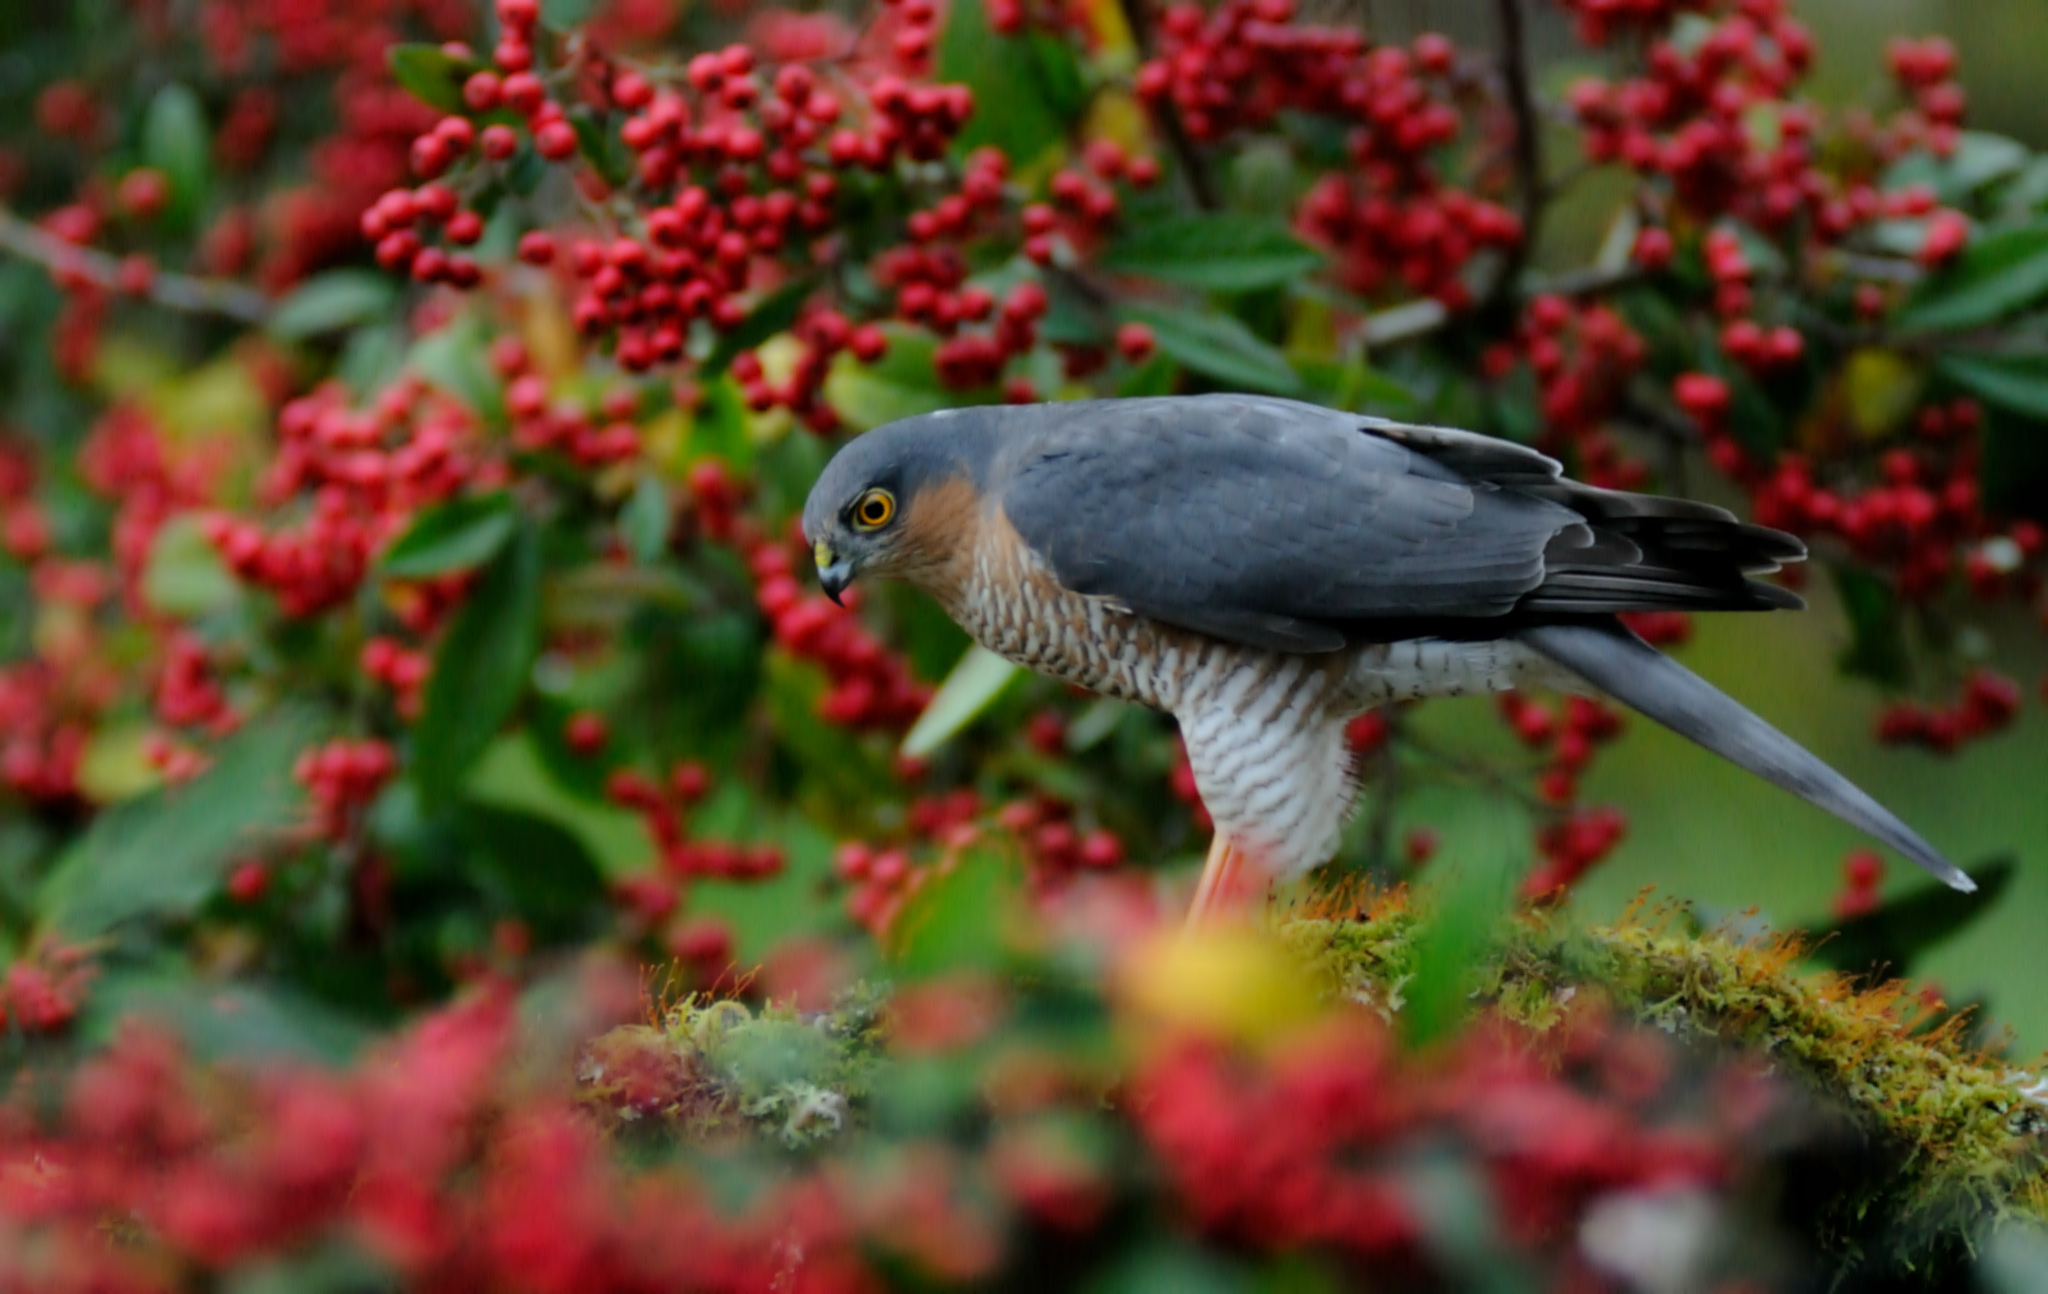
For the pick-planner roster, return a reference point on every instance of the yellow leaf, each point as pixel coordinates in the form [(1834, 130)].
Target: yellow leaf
[(1234, 984), (1881, 389), (115, 765)]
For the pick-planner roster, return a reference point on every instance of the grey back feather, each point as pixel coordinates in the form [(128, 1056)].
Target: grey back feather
[(1297, 528)]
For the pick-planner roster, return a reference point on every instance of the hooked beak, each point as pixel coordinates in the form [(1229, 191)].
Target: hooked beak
[(834, 572)]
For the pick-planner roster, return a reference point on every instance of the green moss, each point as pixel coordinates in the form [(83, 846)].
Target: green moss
[(1956, 1135), (712, 1068)]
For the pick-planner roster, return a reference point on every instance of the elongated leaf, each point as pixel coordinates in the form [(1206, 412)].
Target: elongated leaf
[(185, 575), (1895, 935), (971, 688), (1217, 344), (1877, 644), (452, 358), (455, 536), (601, 146), (1012, 109), (2018, 382), (430, 75), (1224, 251), (176, 141), (1472, 891), (1995, 276), (644, 521), (333, 301), (481, 669), (1977, 159), (163, 854), (542, 871), (776, 313), (230, 1022)]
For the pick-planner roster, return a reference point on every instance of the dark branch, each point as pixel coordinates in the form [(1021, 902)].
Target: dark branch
[(176, 291), (1187, 159), (1528, 154)]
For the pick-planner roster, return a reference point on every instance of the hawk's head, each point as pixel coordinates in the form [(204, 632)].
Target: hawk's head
[(902, 500)]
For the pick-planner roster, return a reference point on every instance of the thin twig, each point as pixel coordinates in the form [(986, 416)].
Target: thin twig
[(1419, 318), (1189, 161), (175, 291), (1528, 155), (1386, 793)]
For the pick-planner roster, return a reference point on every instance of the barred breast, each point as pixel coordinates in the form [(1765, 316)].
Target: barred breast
[(1264, 730)]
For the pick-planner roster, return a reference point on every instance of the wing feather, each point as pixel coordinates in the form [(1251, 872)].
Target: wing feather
[(1298, 528)]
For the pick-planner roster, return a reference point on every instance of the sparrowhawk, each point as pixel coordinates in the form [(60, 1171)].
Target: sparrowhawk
[(1266, 570)]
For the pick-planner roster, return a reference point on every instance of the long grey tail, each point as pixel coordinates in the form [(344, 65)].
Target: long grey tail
[(1612, 658)]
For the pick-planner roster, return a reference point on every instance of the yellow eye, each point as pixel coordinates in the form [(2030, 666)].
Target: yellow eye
[(873, 510)]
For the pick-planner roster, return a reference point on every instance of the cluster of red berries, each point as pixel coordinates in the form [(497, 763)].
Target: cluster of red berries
[(544, 424), (1570, 844), (664, 808), (431, 1156), (1926, 70), (187, 694), (367, 471), (127, 459), (823, 333), (1391, 221), (1598, 21), (1304, 1148), (342, 777), (1862, 876), (655, 900), (40, 746), (44, 989), (871, 687), (1085, 204), (389, 662), (1570, 847), (1913, 523), (1054, 851), (1583, 357), (1988, 704)]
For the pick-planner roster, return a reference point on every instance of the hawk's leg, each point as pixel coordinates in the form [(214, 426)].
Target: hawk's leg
[(1232, 883)]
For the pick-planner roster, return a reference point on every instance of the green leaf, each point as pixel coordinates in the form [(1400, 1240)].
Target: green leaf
[(1059, 74), (901, 384), (1012, 110), (333, 301), (232, 1022), (602, 147), (453, 359), (176, 141), (2014, 471), (959, 918), (563, 14), (1877, 644), (1896, 934), (1217, 344), (2016, 382), (185, 576), (1978, 159), (536, 867), (1158, 375), (430, 75), (968, 691), (1221, 251), (777, 312), (1472, 891), (164, 854), (644, 521), (481, 669), (453, 536), (1996, 275)]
